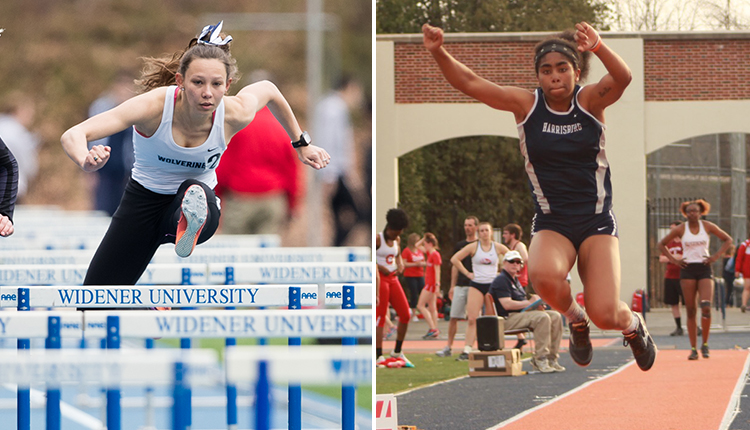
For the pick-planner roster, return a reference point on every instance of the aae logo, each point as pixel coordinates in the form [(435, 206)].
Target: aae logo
[(7, 297), (333, 295), (309, 296)]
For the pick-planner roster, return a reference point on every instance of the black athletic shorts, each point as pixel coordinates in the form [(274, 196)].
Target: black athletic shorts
[(483, 288), (576, 228), (696, 271), (673, 292)]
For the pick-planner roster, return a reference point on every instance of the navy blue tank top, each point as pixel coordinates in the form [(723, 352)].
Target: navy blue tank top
[(565, 159)]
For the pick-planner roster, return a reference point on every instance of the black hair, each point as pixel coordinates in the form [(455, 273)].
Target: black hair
[(565, 44), (396, 219)]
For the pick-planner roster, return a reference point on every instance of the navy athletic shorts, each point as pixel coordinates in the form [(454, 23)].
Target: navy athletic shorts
[(576, 228)]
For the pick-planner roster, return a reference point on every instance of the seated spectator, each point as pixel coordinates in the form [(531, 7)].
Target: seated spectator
[(510, 303)]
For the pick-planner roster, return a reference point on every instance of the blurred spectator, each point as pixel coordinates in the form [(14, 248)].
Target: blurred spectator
[(112, 178), (342, 180), (259, 178), (16, 116), (9, 185)]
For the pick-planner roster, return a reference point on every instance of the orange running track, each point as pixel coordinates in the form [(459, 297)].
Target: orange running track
[(676, 394)]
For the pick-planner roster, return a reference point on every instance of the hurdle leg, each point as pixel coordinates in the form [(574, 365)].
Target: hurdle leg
[(187, 392), (113, 393), (263, 398), (179, 414), (295, 391), (348, 393), (231, 389), (150, 420), (23, 394), (53, 393)]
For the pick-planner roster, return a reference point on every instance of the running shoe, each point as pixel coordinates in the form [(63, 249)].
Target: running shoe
[(431, 334), (704, 351), (643, 346), (520, 344), (555, 365), (192, 220), (693, 354), (391, 332), (743, 309), (464, 356), (445, 352), (580, 345), (380, 362), (677, 332), (541, 365), (401, 356)]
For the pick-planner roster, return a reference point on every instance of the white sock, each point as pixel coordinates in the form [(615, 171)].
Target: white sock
[(633, 325), (575, 313), (467, 349)]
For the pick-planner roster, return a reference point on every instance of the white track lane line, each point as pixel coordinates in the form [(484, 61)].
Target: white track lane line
[(733, 408), (66, 409)]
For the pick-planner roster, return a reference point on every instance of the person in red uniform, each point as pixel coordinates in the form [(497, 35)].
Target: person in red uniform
[(742, 266), (259, 180), (672, 290), (427, 304)]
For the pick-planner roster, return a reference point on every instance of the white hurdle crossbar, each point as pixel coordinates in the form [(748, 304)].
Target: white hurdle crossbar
[(166, 255)]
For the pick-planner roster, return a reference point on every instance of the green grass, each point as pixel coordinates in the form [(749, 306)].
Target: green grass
[(364, 392), (428, 369)]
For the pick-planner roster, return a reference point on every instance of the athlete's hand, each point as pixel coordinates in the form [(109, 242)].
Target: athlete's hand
[(96, 158), (450, 293), (586, 37), (314, 156), (680, 262), (433, 37), (470, 275), (6, 226)]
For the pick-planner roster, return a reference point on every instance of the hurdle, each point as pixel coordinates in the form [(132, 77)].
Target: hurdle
[(66, 241), (166, 254), (299, 273), (203, 324), (256, 366), (186, 323)]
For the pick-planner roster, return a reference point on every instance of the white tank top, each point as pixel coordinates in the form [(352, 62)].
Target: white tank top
[(695, 246), (484, 264), (161, 165), (386, 255)]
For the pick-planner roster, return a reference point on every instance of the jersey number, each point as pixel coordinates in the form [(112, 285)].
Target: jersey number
[(213, 161)]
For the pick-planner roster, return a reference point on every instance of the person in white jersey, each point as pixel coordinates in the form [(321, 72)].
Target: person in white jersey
[(485, 256), (696, 276), (390, 291), (182, 122)]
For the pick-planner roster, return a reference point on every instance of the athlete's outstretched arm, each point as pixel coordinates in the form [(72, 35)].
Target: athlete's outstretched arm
[(610, 88), (511, 99), (136, 111), (253, 98)]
